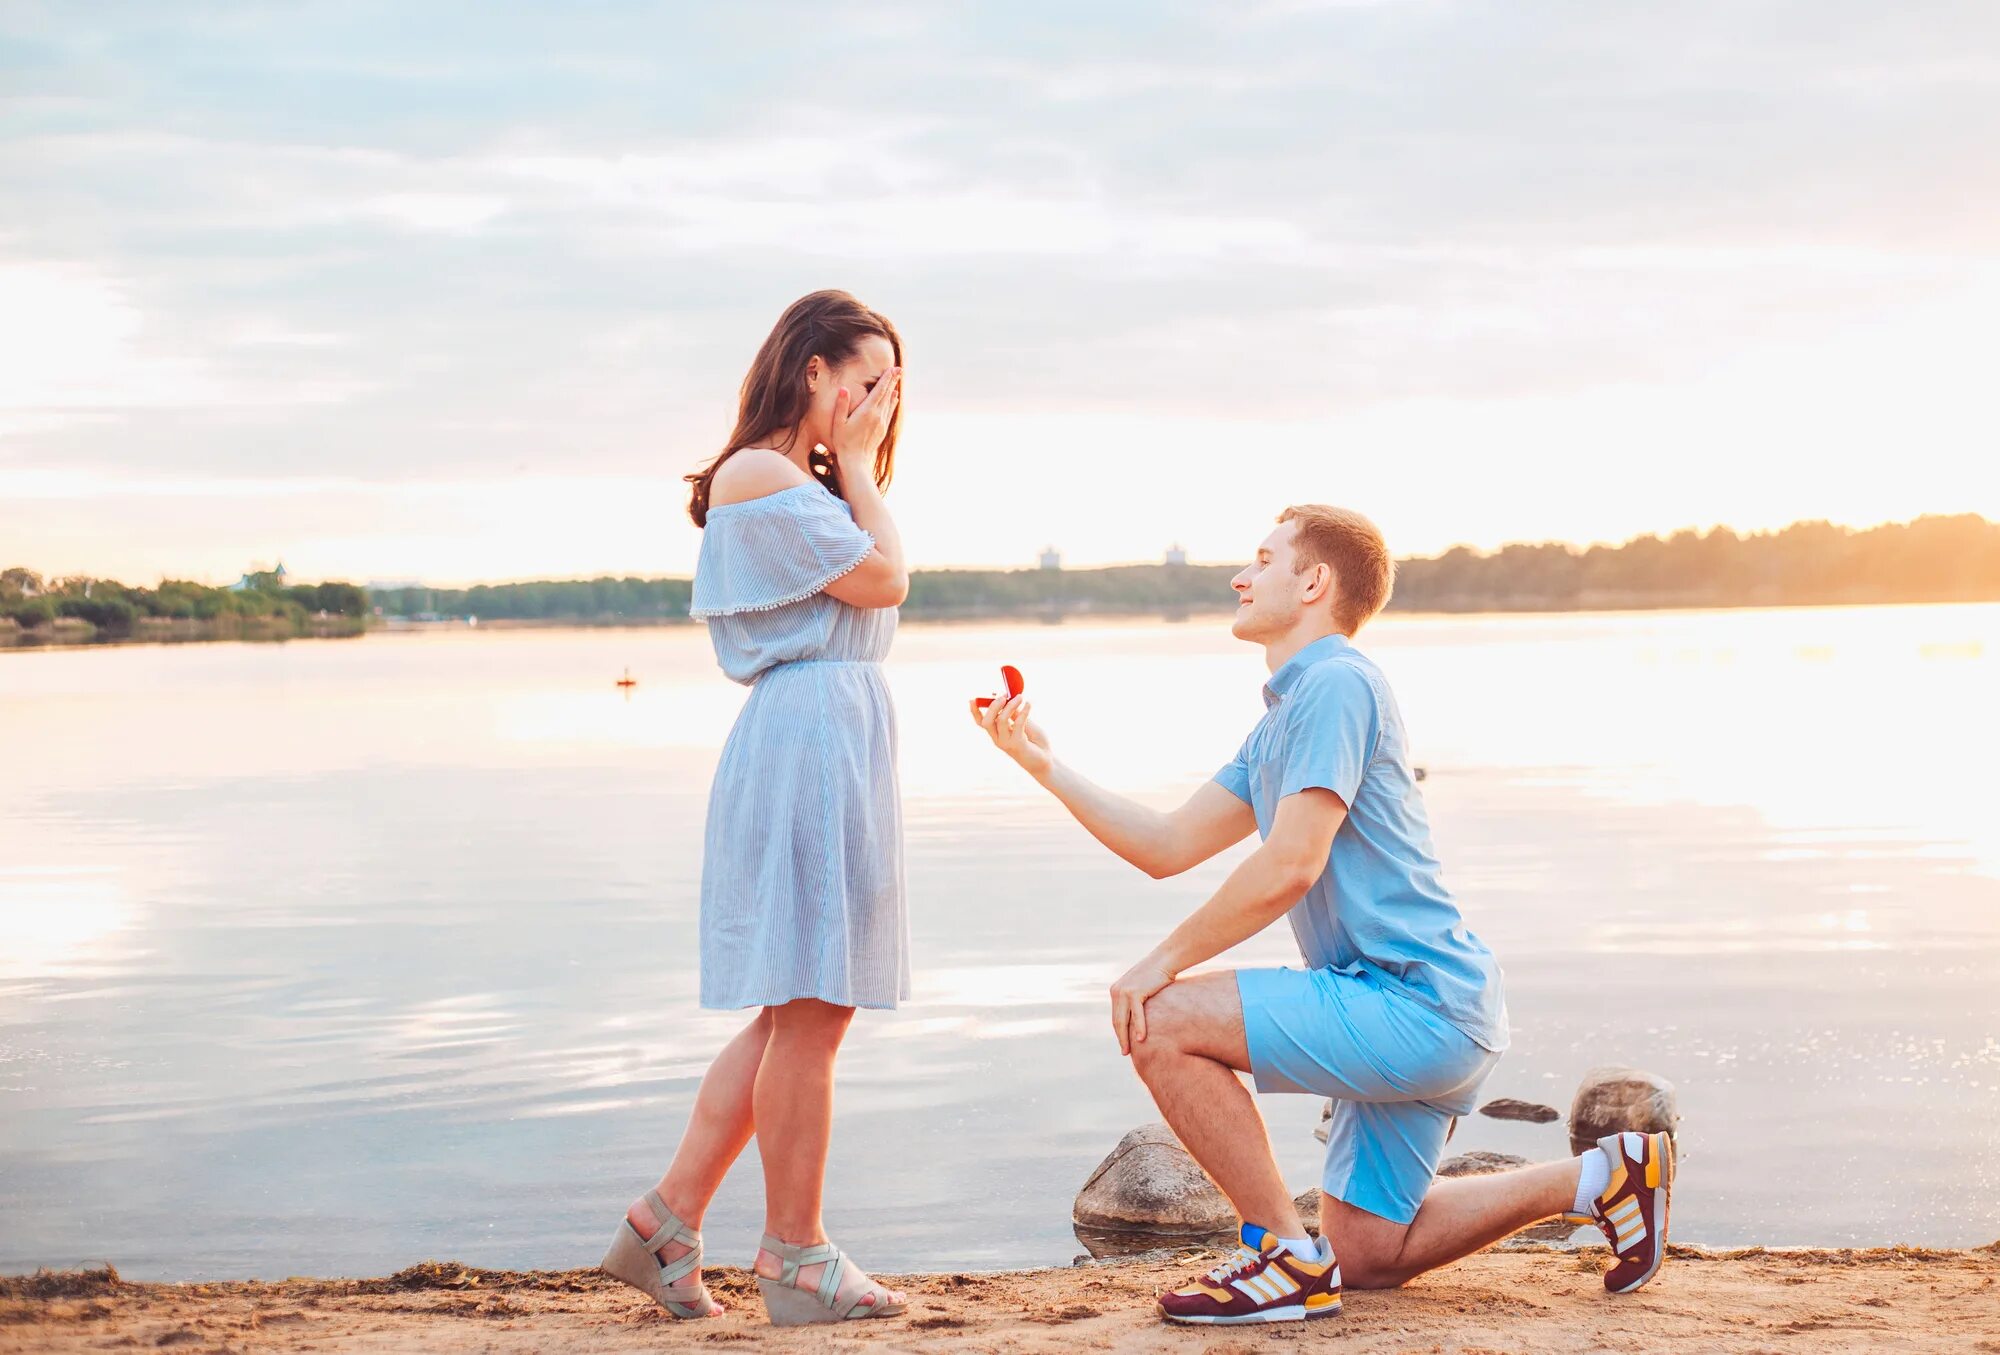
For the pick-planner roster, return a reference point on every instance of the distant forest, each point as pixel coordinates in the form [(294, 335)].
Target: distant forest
[(1933, 559), (260, 604)]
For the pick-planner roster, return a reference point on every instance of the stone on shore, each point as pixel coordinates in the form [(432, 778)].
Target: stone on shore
[(1508, 1108), (1479, 1162), (1612, 1100), (1150, 1184)]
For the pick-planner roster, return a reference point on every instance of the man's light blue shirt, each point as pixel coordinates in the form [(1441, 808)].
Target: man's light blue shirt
[(1381, 904)]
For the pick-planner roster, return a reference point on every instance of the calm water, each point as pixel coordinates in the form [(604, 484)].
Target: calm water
[(327, 957)]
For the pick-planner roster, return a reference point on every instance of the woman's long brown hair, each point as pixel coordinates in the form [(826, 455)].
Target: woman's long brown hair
[(829, 325)]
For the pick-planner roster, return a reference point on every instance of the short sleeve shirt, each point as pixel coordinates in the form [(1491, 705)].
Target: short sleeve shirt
[(1381, 905)]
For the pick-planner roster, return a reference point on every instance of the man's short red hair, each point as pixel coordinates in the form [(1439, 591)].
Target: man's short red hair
[(1352, 547)]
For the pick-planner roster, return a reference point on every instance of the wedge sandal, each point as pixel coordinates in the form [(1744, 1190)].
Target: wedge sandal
[(787, 1304), (675, 1285)]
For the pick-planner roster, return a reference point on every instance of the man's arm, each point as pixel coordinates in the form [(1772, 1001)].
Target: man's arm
[(1161, 844), (1255, 895)]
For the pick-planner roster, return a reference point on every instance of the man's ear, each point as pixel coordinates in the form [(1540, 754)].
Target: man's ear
[(1322, 583)]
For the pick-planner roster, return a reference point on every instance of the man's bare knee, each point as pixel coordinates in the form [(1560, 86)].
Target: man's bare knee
[(1162, 1043), (1369, 1247), (1367, 1271), (1200, 1016)]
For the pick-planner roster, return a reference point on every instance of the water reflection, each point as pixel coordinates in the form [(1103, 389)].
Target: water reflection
[(51, 918), (325, 958)]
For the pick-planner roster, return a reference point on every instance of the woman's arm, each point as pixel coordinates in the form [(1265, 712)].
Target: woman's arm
[(882, 579)]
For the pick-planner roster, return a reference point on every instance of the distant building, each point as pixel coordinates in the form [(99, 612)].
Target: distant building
[(1175, 555), (1051, 558), (260, 578)]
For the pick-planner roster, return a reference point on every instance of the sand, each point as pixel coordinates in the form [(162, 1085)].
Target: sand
[(1892, 1299)]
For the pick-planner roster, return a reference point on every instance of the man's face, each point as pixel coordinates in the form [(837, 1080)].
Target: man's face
[(1270, 594)]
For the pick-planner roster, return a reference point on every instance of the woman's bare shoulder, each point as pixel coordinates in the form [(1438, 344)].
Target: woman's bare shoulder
[(754, 473)]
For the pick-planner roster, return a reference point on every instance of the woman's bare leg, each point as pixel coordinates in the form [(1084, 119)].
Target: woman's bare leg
[(717, 1131), (794, 1112)]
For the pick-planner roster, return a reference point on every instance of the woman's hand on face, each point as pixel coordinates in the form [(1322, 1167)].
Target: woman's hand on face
[(858, 430), (1006, 722)]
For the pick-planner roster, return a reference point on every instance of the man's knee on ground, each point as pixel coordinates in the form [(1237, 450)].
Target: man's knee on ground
[(1368, 1271), (1369, 1247)]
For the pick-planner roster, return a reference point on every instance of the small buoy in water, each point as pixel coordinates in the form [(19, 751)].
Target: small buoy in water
[(628, 681), (1421, 773)]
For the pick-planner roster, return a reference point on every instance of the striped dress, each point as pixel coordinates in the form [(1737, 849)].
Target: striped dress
[(802, 874)]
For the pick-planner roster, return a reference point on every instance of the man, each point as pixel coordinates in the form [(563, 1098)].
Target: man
[(1399, 1015)]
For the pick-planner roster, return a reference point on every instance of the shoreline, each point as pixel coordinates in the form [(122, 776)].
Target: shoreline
[(81, 636), (1527, 1297), (74, 634)]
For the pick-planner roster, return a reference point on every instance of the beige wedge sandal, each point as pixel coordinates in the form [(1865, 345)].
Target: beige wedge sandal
[(675, 1285), (787, 1304)]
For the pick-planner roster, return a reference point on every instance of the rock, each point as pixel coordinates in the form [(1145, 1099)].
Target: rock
[(1479, 1162), (1548, 1230), (1612, 1100), (1507, 1108), (1178, 1255), (1150, 1184)]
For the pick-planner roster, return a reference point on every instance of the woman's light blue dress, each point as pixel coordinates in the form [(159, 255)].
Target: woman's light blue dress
[(802, 876)]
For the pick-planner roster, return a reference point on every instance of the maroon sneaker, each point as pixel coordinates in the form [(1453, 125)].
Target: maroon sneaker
[(1632, 1210), (1260, 1283)]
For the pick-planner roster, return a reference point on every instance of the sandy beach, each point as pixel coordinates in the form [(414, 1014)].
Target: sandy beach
[(1889, 1299)]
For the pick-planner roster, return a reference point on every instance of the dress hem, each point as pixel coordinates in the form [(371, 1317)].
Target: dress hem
[(746, 1003)]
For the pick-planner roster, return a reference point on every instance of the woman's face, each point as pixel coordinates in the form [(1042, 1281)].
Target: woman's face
[(872, 357)]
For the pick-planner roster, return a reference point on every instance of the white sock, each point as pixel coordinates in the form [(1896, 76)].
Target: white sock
[(1303, 1247), (1591, 1181)]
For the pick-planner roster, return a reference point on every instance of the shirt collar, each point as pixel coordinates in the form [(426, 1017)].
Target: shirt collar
[(1294, 668)]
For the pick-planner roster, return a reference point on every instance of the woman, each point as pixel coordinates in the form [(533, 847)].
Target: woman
[(800, 575)]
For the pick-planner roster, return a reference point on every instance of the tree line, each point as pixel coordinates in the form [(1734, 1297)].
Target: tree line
[(34, 603), (1932, 559), (605, 599)]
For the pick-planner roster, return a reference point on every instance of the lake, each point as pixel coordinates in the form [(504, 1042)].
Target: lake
[(327, 957)]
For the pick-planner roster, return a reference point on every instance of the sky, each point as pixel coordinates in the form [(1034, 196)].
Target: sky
[(460, 291)]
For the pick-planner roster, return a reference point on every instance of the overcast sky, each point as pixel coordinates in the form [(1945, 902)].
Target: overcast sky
[(459, 291)]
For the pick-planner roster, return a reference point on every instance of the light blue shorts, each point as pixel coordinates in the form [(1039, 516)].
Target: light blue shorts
[(1397, 1073)]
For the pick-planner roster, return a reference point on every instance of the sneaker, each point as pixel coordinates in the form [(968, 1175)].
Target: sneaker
[(1258, 1283), (1632, 1210)]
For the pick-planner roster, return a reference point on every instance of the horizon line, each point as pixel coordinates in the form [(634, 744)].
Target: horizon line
[(390, 584)]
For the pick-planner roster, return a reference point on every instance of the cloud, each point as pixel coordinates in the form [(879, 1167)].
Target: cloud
[(389, 248), (75, 350)]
